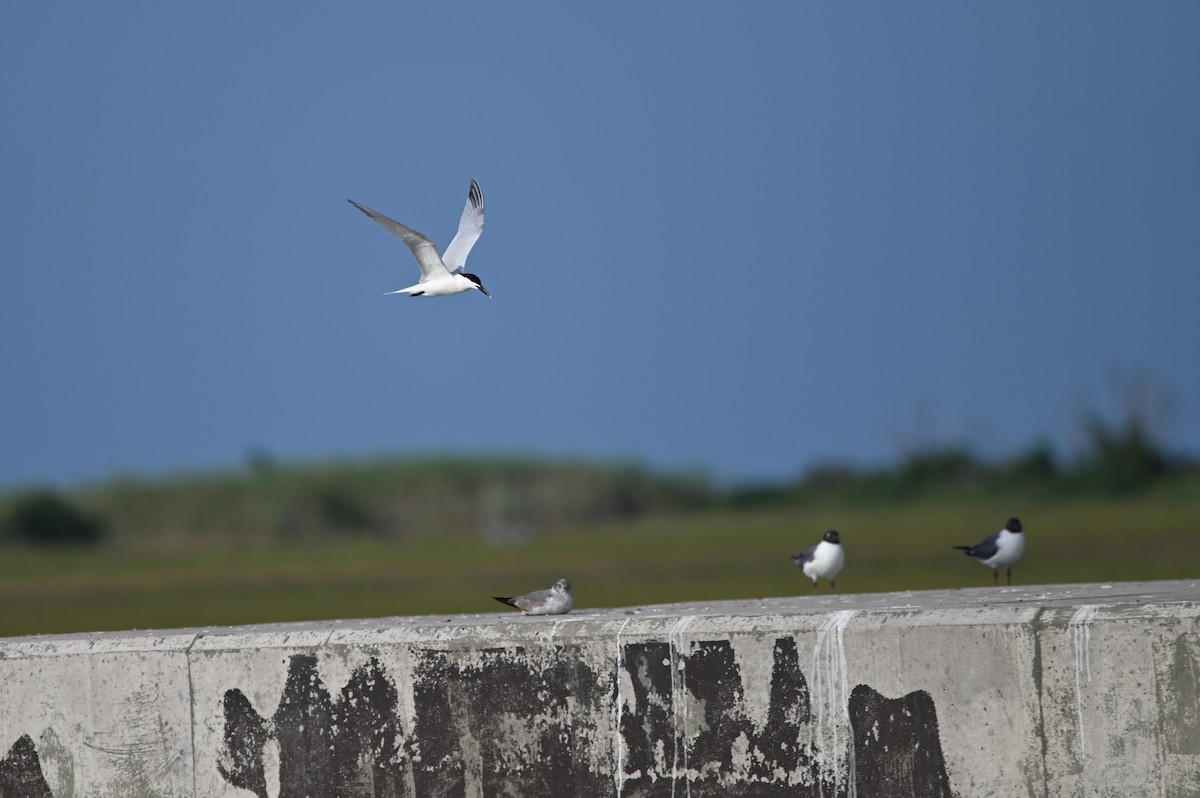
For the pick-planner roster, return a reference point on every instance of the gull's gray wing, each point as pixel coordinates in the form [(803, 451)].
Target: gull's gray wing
[(532, 602), (806, 555), (984, 549), (470, 227), (528, 602), (423, 249)]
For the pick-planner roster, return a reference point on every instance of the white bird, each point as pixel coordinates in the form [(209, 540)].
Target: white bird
[(555, 601), (824, 560), (1001, 550), (441, 275)]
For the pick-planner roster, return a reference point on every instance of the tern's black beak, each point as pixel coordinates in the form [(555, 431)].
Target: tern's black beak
[(477, 283)]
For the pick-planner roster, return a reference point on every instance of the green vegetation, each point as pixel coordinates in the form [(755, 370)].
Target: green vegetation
[(442, 535), (683, 556), (384, 499), (43, 518)]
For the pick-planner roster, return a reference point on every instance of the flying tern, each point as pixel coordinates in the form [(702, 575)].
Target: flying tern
[(555, 601), (441, 274), (824, 560), (1001, 550)]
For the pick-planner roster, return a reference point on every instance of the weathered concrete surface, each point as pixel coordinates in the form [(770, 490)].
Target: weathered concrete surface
[(1080, 690)]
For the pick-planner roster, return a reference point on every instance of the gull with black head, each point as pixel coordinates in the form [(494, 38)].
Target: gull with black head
[(441, 274), (824, 560), (1000, 550)]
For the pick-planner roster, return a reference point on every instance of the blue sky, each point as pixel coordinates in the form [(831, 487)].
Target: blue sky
[(741, 237)]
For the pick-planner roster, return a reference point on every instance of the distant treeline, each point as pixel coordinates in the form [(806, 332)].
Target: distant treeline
[(1117, 459), (507, 499)]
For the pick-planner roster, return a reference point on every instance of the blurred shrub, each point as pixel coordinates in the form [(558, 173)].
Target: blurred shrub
[(327, 507), (1121, 457), (44, 518), (938, 466), (1035, 464)]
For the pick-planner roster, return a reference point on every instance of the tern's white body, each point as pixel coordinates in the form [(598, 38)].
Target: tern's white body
[(439, 286), (441, 274)]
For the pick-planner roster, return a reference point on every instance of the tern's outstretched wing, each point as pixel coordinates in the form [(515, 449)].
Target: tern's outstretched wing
[(470, 226), (424, 250)]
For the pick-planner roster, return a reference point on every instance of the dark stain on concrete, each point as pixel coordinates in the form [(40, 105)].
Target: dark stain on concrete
[(789, 713), (713, 678), (370, 749), (513, 724), (715, 726), (302, 726), (246, 732), (21, 772), (348, 747), (649, 668), (897, 747), (508, 722)]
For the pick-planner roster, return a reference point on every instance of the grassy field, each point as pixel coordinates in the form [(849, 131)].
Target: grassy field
[(663, 558)]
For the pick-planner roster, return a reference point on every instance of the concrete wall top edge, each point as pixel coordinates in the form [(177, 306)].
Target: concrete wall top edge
[(1057, 604)]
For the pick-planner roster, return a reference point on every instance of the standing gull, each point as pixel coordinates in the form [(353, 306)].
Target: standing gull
[(824, 560), (1001, 550), (441, 275), (555, 601)]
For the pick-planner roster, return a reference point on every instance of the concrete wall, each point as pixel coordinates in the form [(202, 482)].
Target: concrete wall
[(1087, 690)]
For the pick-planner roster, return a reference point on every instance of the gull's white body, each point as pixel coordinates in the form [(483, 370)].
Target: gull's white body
[(555, 601), (441, 274), (1009, 548), (827, 562), (1001, 550), (824, 560)]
